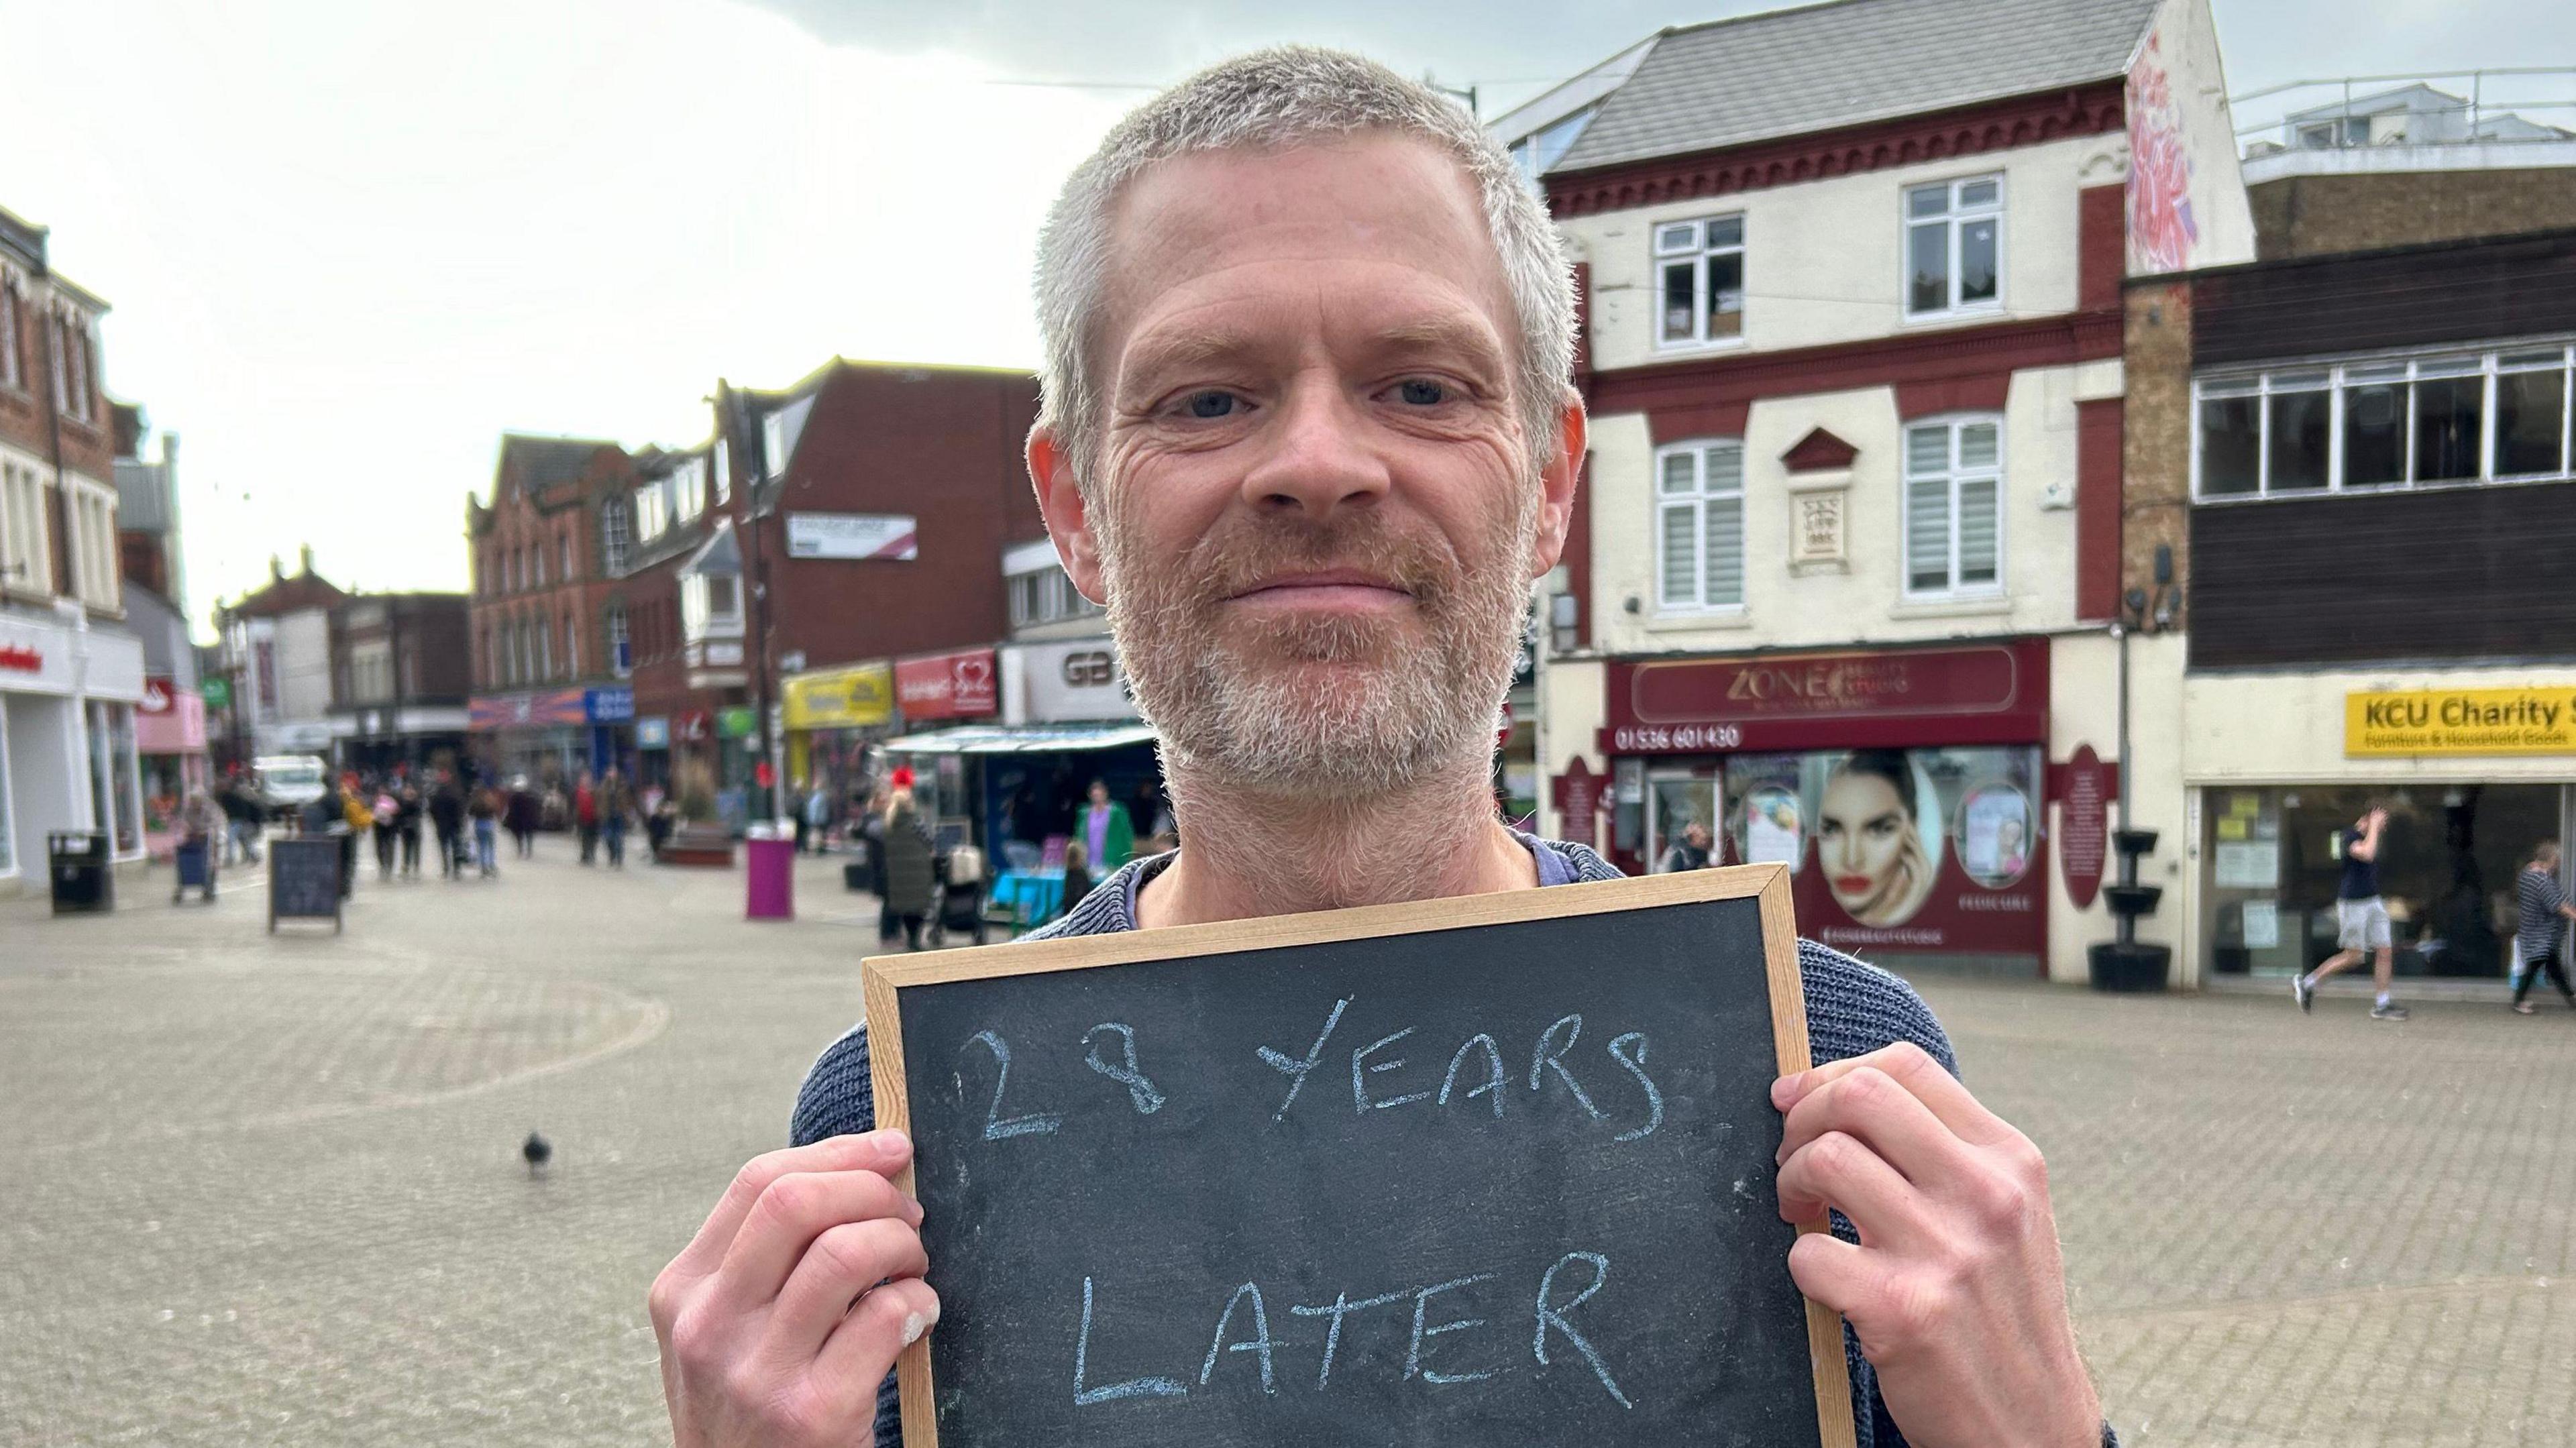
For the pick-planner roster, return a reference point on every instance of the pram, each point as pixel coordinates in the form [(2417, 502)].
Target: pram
[(960, 887)]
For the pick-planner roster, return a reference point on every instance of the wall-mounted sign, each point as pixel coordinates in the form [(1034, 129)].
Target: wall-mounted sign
[(852, 535), (963, 685), (1975, 694), (217, 692), (858, 697), (609, 704), (1578, 801), (736, 721), (1076, 681), (2459, 721), (156, 696), (20, 659), (2084, 789)]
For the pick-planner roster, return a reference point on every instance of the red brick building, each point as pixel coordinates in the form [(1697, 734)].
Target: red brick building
[(549, 699)]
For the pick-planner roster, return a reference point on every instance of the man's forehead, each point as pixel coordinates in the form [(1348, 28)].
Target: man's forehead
[(1380, 201)]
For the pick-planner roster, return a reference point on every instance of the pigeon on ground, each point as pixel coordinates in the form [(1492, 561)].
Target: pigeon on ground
[(537, 1150)]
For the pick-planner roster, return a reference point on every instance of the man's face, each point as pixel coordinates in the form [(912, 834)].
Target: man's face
[(1315, 517)]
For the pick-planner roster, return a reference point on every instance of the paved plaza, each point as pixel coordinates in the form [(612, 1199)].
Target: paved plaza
[(266, 1190)]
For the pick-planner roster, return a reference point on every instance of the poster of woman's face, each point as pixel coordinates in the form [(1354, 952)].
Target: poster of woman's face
[(1878, 836)]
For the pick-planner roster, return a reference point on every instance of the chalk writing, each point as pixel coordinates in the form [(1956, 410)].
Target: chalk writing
[(1296, 1070), (1140, 1090), (996, 1127)]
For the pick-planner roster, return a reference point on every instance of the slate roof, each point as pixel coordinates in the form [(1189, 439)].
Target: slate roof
[(1849, 62), (542, 464)]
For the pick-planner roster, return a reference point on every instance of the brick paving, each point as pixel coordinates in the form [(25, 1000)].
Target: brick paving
[(262, 1189)]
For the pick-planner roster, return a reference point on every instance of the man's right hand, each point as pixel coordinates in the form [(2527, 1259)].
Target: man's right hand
[(785, 1312)]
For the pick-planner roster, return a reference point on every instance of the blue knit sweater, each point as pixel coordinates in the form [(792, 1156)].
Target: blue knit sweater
[(1852, 1010)]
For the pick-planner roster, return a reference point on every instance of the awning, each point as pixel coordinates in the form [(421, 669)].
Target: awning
[(1022, 739)]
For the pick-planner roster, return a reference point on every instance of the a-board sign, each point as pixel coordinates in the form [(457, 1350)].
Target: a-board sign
[(304, 880), (1495, 1169)]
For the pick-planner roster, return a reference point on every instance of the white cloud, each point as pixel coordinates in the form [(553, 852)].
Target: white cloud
[(349, 245)]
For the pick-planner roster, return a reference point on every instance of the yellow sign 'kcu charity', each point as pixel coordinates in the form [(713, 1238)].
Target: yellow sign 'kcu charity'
[(2460, 721)]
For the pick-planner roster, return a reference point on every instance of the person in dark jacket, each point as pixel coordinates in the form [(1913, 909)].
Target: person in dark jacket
[(911, 863), (407, 810), (519, 815), (1690, 852), (447, 822), (616, 803)]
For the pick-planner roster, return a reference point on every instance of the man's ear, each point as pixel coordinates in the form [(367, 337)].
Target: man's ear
[(1557, 480), (1067, 513)]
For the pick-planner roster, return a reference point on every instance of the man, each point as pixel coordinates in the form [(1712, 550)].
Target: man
[(2542, 928), (447, 821), (1306, 432), (243, 815), (585, 816), (2361, 918), (1690, 852)]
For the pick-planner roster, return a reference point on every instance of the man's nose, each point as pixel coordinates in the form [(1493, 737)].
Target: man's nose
[(1318, 461)]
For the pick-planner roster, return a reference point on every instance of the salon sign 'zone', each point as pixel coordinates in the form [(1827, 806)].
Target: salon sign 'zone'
[(1474, 1171)]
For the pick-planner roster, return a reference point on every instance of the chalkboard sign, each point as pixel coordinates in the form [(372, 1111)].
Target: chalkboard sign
[(304, 880), (1495, 1169)]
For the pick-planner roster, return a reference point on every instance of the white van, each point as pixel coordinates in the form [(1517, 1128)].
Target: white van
[(288, 782)]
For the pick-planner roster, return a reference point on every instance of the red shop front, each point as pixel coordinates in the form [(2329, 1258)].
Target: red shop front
[(1904, 788)]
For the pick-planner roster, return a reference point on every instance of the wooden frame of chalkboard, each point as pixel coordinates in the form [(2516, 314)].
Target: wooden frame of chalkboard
[(886, 979)]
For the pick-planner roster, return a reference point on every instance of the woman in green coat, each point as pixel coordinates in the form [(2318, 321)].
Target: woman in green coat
[(1106, 831)]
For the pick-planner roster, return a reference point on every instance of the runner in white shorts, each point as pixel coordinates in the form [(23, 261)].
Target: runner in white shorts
[(2361, 919)]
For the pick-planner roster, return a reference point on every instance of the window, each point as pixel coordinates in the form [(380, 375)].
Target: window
[(563, 545), (2385, 423), (1538, 151), (572, 647), (2330, 135), (91, 512), (1954, 247), (723, 472), (12, 368), (621, 658), (536, 565), (616, 535), (1953, 496), (1699, 526), (1047, 595), (711, 603), (688, 487), (26, 553), (652, 512), (1699, 269)]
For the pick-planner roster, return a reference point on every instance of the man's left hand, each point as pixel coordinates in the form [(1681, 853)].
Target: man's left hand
[(1956, 1291)]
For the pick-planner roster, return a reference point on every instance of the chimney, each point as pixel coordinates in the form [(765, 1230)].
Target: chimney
[(276, 570), (306, 553)]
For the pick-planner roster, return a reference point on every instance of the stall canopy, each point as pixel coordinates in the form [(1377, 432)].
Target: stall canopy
[(1022, 739)]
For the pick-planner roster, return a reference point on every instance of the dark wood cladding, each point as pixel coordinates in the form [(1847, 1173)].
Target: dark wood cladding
[(2422, 296), (2451, 574)]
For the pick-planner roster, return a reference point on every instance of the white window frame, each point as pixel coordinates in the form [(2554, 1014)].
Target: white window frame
[(616, 535), (2380, 369), (13, 365), (1954, 213), (1958, 476), (621, 644), (91, 510), (572, 645), (26, 525), (1696, 501), (1673, 243)]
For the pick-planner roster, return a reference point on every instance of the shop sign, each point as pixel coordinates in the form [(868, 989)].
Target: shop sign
[(1577, 793), (653, 733), (17, 658), (858, 697), (735, 722), (528, 711), (34, 655), (609, 704), (1994, 693), (853, 535), (1075, 681), (692, 725), (170, 720), (949, 686), (2459, 722), (156, 696), (217, 692), (2084, 788)]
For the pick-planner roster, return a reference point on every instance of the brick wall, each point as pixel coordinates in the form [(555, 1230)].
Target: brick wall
[(2156, 435), (2313, 215)]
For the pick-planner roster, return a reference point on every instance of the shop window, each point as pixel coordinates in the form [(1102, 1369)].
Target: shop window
[(1699, 526), (2385, 423), (2272, 865), (1954, 247), (1953, 502), (621, 659), (1699, 271)]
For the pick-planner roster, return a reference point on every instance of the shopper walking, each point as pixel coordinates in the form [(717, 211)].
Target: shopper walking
[(519, 811), (407, 809), (2543, 927), (384, 818), (616, 805), (2361, 919), (242, 817), (484, 809), (447, 822), (585, 816), (911, 863)]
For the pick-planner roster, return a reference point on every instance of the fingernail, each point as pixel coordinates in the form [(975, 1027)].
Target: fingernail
[(915, 1324), (1786, 1091)]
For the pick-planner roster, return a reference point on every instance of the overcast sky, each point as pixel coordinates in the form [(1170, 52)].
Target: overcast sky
[(348, 245)]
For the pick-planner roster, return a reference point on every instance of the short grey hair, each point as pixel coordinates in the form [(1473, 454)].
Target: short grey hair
[(1274, 99)]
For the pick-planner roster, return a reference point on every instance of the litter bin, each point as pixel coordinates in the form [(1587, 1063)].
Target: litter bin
[(78, 862), (771, 870)]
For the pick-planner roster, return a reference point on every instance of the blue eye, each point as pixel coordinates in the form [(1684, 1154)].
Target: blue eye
[(1423, 392), (1211, 405)]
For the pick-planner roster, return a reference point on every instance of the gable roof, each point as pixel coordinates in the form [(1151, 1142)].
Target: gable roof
[(1847, 62), (542, 464)]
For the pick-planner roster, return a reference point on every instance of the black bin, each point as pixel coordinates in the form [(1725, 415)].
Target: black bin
[(77, 861)]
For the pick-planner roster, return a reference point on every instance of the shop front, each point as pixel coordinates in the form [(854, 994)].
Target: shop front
[(833, 717), (68, 741), (170, 746), (554, 734), (1019, 788), (1906, 790), (2474, 769)]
